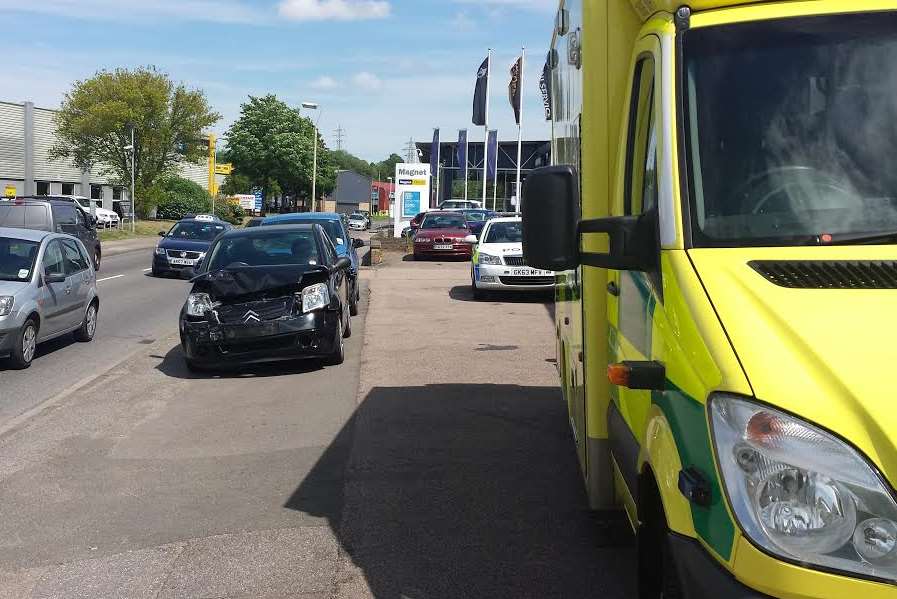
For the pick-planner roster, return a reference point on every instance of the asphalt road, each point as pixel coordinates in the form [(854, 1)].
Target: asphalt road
[(153, 482), (135, 310)]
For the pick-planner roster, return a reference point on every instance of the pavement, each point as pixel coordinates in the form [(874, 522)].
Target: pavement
[(461, 479), (435, 462)]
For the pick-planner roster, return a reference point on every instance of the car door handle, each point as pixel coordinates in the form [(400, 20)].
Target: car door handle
[(613, 289)]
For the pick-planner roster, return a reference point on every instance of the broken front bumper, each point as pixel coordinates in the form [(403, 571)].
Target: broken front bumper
[(305, 336)]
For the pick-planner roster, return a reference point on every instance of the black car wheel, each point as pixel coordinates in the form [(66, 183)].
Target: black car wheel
[(338, 355), (353, 301)]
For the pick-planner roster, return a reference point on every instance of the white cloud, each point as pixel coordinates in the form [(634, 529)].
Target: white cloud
[(367, 81), (324, 82), (337, 10)]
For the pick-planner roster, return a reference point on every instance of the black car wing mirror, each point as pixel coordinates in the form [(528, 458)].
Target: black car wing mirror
[(54, 278), (552, 229), (342, 263)]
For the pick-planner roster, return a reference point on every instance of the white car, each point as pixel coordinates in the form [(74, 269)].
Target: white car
[(105, 217), (497, 263), (359, 222), (461, 205)]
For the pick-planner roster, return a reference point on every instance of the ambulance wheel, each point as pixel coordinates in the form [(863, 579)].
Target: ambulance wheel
[(657, 574)]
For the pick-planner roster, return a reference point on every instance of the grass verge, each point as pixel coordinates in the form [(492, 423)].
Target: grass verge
[(142, 228)]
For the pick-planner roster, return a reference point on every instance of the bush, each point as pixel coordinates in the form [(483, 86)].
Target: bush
[(231, 213), (176, 197)]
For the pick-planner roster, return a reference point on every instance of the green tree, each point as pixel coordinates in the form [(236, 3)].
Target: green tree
[(176, 196), (387, 168), (272, 142), (345, 161), (96, 118), (235, 183)]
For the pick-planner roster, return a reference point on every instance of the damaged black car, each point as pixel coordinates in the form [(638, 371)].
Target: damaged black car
[(266, 294)]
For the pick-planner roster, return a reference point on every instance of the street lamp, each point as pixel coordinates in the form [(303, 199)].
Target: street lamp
[(130, 149), (389, 199), (314, 174)]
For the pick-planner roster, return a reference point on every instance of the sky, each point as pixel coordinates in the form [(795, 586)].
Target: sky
[(384, 71)]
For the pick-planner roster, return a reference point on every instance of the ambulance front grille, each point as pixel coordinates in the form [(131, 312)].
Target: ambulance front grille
[(829, 274)]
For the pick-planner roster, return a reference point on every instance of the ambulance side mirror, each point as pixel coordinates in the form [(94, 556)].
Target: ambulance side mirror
[(552, 229), (550, 210)]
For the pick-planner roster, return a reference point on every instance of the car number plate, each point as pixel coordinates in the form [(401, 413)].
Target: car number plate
[(182, 261), (443, 246), (529, 272)]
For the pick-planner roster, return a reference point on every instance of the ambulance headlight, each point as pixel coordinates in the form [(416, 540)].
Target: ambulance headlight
[(801, 493)]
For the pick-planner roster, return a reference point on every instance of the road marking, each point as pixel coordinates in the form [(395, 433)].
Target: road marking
[(147, 269), (109, 278)]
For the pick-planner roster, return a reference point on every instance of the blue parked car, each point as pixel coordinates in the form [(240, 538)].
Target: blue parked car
[(335, 228), (477, 218)]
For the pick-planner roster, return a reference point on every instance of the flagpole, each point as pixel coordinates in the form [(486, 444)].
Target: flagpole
[(438, 157), (486, 126), (495, 180), (466, 163), (520, 127)]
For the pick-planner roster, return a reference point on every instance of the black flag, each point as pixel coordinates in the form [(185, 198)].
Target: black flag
[(479, 94), (514, 88), (545, 86)]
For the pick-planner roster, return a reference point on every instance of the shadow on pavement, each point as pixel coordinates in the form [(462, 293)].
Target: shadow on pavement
[(435, 261), (466, 491), (173, 365), (464, 293)]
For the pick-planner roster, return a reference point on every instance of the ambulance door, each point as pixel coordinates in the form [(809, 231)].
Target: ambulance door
[(633, 295)]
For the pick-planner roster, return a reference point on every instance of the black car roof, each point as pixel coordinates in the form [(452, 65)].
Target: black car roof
[(216, 221), (267, 230)]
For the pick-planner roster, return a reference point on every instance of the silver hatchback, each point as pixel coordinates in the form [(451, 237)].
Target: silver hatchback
[(48, 288)]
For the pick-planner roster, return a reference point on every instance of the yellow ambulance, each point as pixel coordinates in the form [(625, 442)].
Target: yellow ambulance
[(722, 216)]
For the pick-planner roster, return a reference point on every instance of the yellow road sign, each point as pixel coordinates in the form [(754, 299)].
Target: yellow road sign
[(224, 168), (9, 191)]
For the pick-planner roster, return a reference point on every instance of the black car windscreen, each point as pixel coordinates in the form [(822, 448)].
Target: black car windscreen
[(266, 248), (196, 231)]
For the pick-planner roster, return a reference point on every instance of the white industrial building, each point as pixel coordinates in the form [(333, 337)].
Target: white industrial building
[(26, 135)]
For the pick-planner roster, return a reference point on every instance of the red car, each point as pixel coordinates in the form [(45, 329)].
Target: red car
[(441, 234)]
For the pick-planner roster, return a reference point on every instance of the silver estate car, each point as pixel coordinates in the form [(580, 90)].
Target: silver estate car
[(48, 288)]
